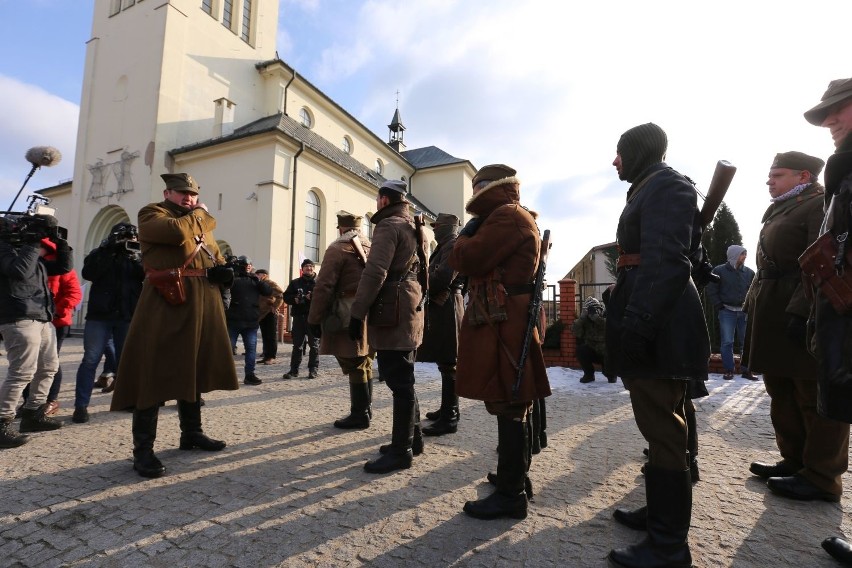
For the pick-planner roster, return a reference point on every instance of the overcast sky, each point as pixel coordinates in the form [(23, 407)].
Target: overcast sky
[(544, 86)]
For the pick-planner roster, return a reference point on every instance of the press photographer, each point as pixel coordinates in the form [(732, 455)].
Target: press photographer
[(244, 312), (298, 297), (116, 273), (26, 313)]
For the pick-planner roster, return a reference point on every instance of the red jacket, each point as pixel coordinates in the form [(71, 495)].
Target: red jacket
[(65, 288)]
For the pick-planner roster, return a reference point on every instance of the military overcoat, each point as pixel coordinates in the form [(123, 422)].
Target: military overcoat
[(445, 310), (175, 352), (777, 291), (392, 253), (338, 278), (506, 246)]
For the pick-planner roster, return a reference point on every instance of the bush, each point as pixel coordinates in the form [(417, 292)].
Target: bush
[(552, 335)]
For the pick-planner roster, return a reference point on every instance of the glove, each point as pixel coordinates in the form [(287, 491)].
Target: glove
[(315, 329), (221, 274), (636, 348), (797, 330), (471, 227), (356, 329)]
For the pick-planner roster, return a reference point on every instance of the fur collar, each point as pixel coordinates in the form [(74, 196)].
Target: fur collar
[(493, 184)]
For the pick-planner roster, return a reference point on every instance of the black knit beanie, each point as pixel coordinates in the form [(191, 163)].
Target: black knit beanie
[(640, 147)]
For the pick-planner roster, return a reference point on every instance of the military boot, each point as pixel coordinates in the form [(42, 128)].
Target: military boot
[(448, 421), (359, 408), (191, 434), (34, 420), (692, 445), (399, 453), (8, 437), (144, 433), (509, 500)]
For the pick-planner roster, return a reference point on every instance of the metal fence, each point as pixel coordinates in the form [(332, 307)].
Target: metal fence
[(550, 301)]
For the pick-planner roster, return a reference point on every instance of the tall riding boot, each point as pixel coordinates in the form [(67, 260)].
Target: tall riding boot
[(370, 394), (399, 455), (448, 421), (669, 495), (509, 500), (542, 417), (191, 434), (692, 442), (144, 433), (533, 428), (359, 408)]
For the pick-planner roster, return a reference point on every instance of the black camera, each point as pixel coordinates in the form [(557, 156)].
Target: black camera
[(18, 228)]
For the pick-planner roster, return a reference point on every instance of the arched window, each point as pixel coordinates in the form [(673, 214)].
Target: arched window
[(379, 166), (367, 226), (306, 118), (312, 226)]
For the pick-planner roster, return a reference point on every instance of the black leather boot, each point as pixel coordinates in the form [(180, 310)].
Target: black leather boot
[(491, 477), (448, 419), (509, 500), (416, 443), (399, 453), (370, 393), (144, 433), (8, 437), (839, 549), (692, 443), (191, 434), (34, 420), (359, 405), (636, 520), (669, 495)]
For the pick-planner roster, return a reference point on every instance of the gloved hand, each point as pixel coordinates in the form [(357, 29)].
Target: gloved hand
[(356, 329), (636, 348), (703, 274), (471, 227), (796, 331), (221, 274), (315, 329)]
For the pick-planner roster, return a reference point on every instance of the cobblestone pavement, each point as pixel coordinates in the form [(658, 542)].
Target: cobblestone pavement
[(289, 490)]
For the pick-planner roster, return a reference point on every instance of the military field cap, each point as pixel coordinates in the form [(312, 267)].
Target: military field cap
[(838, 90), (446, 219), (262, 271), (180, 182), (798, 161), (348, 220), (307, 262), (396, 185), (493, 172)]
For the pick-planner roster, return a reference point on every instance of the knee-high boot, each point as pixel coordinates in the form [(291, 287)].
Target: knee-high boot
[(398, 454), (448, 419), (692, 441), (509, 499), (144, 433), (191, 434), (669, 496), (359, 408)]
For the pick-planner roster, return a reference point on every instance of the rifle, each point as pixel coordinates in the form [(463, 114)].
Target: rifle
[(534, 311), (356, 244), (722, 177), (423, 258)]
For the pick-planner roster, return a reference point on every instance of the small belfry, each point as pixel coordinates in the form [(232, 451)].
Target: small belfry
[(396, 130)]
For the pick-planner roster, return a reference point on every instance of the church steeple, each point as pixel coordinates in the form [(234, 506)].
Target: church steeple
[(396, 130)]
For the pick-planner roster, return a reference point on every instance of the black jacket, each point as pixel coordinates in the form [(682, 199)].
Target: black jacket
[(306, 285), (116, 278), (24, 293), (245, 301)]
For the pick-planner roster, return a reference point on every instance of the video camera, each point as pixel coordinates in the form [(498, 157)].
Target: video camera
[(32, 225), (125, 238)]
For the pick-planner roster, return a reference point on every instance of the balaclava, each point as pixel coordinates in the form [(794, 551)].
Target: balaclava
[(640, 147)]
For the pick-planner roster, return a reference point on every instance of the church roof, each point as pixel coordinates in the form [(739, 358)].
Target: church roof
[(429, 157)]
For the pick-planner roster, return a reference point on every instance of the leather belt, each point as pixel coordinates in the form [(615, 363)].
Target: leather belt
[(196, 272), (625, 260), (775, 274), (518, 289)]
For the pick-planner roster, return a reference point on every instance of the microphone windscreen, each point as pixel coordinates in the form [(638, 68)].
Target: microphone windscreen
[(43, 156)]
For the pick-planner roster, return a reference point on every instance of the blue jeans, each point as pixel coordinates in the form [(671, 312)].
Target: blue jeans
[(96, 336), (730, 321), (249, 335)]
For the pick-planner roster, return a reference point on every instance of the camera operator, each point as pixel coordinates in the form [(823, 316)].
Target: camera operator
[(244, 312), (26, 315), (115, 270), (298, 297)]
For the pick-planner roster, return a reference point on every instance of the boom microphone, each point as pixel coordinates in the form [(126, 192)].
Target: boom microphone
[(38, 156)]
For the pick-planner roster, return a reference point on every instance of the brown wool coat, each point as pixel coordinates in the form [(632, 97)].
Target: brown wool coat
[(273, 302), (175, 352), (507, 240), (788, 228), (394, 244), (441, 337), (339, 274)]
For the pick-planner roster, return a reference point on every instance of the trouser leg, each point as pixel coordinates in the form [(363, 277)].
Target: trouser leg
[(787, 419)]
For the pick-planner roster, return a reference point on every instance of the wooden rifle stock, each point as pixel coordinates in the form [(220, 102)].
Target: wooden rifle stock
[(719, 185)]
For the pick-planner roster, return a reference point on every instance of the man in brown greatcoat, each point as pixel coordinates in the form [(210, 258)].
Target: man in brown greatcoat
[(498, 249), (444, 312), (176, 351), (391, 295), (268, 318), (814, 450), (328, 318)]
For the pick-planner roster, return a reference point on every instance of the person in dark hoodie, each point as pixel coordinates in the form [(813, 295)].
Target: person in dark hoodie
[(728, 296)]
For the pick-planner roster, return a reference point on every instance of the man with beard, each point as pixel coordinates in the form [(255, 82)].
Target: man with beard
[(444, 311), (176, 350), (389, 297), (499, 251), (298, 296), (834, 330), (657, 335), (334, 294)]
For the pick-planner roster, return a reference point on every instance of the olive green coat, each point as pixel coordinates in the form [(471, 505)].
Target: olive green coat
[(788, 228), (339, 275), (175, 352)]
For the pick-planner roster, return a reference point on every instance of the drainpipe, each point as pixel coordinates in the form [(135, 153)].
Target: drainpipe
[(287, 86), (293, 209)]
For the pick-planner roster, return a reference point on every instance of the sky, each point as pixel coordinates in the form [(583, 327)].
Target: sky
[(545, 86)]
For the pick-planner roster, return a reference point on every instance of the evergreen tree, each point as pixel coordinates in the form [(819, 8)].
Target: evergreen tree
[(723, 233), (611, 254)]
